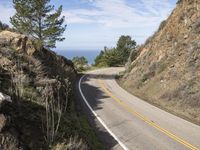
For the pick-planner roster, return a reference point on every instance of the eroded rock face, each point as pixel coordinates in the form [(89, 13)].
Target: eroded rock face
[(17, 41), (24, 73), (168, 65)]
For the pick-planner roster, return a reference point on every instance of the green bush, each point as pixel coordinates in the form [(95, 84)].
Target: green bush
[(116, 56), (162, 25), (80, 63)]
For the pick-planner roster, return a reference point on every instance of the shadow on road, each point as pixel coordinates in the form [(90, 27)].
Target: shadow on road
[(102, 76), (93, 94), (94, 97)]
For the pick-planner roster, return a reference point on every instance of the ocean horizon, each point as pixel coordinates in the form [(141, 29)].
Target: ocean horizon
[(90, 55)]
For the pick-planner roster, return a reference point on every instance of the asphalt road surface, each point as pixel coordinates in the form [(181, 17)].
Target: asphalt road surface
[(131, 122)]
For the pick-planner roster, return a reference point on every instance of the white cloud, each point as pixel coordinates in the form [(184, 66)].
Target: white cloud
[(103, 21), (81, 15), (121, 14)]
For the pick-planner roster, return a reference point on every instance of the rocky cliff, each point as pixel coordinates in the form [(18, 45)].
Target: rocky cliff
[(26, 71), (167, 69)]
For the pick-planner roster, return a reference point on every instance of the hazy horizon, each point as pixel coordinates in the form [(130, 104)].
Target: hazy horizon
[(90, 55)]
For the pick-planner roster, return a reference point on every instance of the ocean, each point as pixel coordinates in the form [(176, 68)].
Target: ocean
[(89, 54)]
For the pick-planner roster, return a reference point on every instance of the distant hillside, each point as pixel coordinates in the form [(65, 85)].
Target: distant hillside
[(166, 71)]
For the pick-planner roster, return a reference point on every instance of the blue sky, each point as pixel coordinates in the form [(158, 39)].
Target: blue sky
[(93, 24)]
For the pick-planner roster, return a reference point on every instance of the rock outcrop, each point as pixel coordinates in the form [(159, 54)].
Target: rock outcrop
[(18, 42), (167, 69), (25, 71)]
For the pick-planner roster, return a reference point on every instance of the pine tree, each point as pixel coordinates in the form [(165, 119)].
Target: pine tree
[(124, 47), (39, 20)]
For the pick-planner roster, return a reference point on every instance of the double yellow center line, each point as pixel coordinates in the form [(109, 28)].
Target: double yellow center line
[(145, 119)]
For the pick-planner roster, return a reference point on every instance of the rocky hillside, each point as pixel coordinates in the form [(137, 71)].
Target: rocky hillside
[(25, 73), (166, 71), (36, 87)]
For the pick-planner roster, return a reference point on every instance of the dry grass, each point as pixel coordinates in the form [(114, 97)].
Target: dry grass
[(167, 71), (74, 143), (168, 102)]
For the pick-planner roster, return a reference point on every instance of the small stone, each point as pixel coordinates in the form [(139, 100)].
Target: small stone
[(185, 36), (4, 97)]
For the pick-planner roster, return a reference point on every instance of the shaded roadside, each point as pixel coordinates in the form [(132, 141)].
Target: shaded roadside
[(89, 91)]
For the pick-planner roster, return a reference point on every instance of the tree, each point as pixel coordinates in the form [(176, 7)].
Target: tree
[(39, 20), (112, 58), (99, 59), (116, 56), (80, 63), (124, 46), (3, 26), (107, 58), (80, 60)]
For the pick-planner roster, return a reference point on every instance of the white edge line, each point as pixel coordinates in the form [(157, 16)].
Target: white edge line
[(98, 118)]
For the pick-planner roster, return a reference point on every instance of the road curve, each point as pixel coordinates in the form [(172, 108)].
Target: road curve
[(132, 122)]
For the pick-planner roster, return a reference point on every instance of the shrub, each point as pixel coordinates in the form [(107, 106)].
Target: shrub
[(179, 1), (80, 63), (162, 25), (197, 26), (117, 56), (162, 67), (73, 143), (3, 26), (148, 76)]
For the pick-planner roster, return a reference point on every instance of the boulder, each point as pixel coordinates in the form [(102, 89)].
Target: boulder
[(17, 41), (4, 97)]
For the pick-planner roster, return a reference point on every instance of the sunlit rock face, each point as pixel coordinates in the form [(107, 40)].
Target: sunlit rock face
[(17, 41), (26, 70), (167, 69)]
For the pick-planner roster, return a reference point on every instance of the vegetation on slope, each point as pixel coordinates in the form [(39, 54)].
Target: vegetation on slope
[(3, 26), (37, 107), (80, 63), (40, 84), (42, 114), (166, 69), (116, 56)]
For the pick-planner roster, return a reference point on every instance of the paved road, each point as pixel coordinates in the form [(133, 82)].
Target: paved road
[(133, 123)]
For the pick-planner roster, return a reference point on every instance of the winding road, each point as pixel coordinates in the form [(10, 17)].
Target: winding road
[(130, 122)]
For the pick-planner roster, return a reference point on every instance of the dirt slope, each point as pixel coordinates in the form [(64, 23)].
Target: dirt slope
[(167, 69)]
